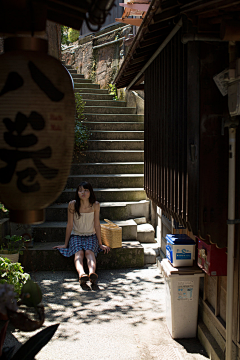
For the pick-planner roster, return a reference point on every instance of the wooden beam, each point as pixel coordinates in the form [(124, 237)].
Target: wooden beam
[(139, 7), (136, 22)]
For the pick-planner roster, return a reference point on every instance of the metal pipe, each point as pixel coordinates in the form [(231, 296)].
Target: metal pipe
[(230, 249), (108, 43), (199, 37), (157, 52), (120, 28)]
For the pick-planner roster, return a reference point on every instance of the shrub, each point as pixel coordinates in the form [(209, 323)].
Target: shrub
[(12, 273), (73, 34)]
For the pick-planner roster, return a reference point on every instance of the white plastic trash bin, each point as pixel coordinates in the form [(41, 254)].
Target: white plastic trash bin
[(182, 294)]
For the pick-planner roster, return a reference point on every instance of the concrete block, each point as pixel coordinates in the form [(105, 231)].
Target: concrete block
[(151, 252), (141, 220), (129, 229), (44, 258), (4, 228), (145, 233)]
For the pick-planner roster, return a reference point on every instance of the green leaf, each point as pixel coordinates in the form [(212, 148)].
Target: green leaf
[(35, 344)]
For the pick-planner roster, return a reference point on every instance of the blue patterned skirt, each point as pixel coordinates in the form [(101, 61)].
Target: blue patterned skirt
[(77, 243)]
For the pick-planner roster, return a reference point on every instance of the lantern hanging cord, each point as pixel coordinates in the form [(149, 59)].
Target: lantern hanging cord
[(32, 17), (97, 20)]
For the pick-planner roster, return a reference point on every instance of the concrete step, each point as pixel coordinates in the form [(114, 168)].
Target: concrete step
[(43, 258), (92, 96), (114, 117), (77, 76), (69, 67), (109, 156), (115, 144), (72, 71), (109, 210), (106, 103), (116, 135), (85, 86), (145, 233), (107, 194), (114, 126), (54, 231), (79, 80), (107, 180), (151, 252), (107, 168), (108, 110), (88, 90)]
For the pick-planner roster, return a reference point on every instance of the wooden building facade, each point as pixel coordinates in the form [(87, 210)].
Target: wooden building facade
[(175, 56)]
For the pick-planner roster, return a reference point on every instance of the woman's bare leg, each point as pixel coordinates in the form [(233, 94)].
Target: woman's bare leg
[(91, 261), (78, 262)]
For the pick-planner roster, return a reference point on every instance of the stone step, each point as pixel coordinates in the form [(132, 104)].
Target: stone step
[(106, 103), (114, 126), (72, 71), (92, 96), (109, 210), (54, 231), (107, 180), (85, 86), (114, 117), (43, 258), (69, 67), (145, 233), (80, 80), (115, 144), (108, 110), (109, 156), (107, 168), (87, 90), (77, 76), (151, 252), (107, 194), (116, 135)]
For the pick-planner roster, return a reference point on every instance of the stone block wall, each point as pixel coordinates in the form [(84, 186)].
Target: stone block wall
[(99, 56)]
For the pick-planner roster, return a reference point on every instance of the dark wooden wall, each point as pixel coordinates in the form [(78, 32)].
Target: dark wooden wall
[(186, 155)]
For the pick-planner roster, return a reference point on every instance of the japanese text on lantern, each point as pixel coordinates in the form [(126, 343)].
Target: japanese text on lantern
[(17, 135)]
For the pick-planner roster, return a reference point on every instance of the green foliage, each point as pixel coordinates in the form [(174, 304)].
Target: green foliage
[(64, 35), (13, 243), (12, 273), (113, 91), (31, 348), (82, 133), (3, 209), (73, 35), (31, 294)]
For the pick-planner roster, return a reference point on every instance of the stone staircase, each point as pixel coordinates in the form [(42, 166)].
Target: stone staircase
[(113, 164)]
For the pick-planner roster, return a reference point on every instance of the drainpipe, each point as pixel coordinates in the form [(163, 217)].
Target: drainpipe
[(231, 232), (232, 125)]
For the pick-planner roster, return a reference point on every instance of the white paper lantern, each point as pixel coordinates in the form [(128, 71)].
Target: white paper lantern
[(37, 118)]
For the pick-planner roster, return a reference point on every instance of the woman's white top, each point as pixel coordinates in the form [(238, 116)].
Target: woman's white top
[(83, 225)]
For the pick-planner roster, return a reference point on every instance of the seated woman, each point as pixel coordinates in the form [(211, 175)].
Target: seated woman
[(83, 232)]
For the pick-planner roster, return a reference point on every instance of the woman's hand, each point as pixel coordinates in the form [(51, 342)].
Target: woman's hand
[(105, 248), (60, 247)]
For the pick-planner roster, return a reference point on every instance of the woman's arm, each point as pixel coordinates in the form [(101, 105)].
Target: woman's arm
[(97, 227), (69, 226)]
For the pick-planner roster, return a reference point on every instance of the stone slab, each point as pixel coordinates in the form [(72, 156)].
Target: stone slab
[(141, 220), (42, 257), (145, 233)]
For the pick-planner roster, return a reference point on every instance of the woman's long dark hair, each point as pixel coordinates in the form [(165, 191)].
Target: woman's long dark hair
[(92, 198)]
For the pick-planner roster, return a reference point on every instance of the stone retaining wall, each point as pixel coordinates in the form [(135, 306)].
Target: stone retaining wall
[(100, 64)]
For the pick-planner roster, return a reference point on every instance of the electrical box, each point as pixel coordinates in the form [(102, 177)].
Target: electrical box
[(211, 259)]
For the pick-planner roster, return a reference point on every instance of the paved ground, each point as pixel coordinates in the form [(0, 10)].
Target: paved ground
[(124, 319)]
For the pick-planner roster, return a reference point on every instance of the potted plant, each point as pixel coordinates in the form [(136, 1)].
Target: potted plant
[(11, 247)]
